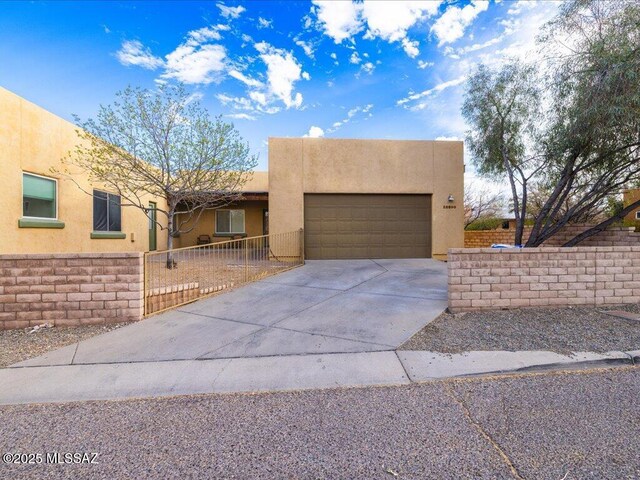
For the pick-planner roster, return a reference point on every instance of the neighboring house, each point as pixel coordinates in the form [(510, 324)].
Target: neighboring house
[(353, 198), (630, 196), (44, 211)]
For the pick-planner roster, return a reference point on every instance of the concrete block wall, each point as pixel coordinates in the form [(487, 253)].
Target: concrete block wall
[(613, 236), (494, 279), (70, 289)]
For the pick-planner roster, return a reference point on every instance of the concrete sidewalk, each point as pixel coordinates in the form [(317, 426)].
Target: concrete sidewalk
[(280, 373)]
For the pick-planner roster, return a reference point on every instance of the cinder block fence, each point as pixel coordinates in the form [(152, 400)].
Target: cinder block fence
[(613, 236), (492, 279), (70, 289)]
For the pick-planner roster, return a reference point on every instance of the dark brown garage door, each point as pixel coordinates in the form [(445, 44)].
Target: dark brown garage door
[(367, 226)]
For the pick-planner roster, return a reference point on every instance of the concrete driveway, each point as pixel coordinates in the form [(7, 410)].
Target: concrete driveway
[(328, 306)]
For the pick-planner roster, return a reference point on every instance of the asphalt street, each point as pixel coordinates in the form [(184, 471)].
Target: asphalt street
[(576, 425)]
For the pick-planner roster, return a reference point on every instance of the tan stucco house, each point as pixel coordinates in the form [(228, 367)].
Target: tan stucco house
[(47, 210), (368, 198), (630, 196), (353, 198)]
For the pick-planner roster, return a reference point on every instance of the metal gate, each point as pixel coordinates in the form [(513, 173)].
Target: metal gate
[(182, 275)]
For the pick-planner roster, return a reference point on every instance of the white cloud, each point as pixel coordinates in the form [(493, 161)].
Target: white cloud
[(452, 23), (196, 64), (390, 20), (368, 67), (410, 48), (422, 64), (339, 19), (480, 46), (306, 47), (264, 23), (355, 58), (385, 19), (430, 92), (204, 34), (132, 52), (350, 115), (244, 79), (230, 12), (259, 97), (247, 104), (517, 7), (307, 22), (315, 132), (282, 72), (449, 139), (241, 116)]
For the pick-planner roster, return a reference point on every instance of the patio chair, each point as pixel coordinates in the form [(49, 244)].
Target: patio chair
[(203, 239)]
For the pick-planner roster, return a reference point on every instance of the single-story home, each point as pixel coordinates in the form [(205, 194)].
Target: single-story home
[(630, 196), (353, 198), (47, 210)]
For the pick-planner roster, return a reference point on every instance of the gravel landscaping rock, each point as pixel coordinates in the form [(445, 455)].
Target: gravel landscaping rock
[(19, 345), (571, 427), (562, 330)]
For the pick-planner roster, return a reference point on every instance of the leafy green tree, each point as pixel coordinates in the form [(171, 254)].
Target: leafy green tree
[(163, 143), (503, 109), (584, 144)]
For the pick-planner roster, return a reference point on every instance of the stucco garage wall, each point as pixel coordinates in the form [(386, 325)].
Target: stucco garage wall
[(314, 165)]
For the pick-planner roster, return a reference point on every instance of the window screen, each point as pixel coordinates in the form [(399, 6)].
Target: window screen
[(38, 196), (230, 221), (107, 216)]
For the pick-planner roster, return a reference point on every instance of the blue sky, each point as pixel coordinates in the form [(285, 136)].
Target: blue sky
[(339, 69)]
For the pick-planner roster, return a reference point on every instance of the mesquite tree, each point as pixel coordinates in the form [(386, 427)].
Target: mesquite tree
[(586, 145), (503, 108), (163, 143)]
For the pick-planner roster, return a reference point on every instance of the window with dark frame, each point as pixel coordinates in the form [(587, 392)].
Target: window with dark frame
[(107, 215), (638, 215), (230, 221)]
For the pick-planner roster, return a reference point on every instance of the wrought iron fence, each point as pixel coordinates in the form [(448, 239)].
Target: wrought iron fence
[(179, 276)]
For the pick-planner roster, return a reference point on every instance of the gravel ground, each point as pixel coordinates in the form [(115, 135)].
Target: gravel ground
[(551, 426), (19, 345), (561, 330), (582, 426)]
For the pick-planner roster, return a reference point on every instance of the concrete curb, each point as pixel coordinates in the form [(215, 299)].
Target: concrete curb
[(424, 366)]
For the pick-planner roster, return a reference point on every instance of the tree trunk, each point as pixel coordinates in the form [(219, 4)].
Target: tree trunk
[(523, 215), (602, 226), (170, 261)]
